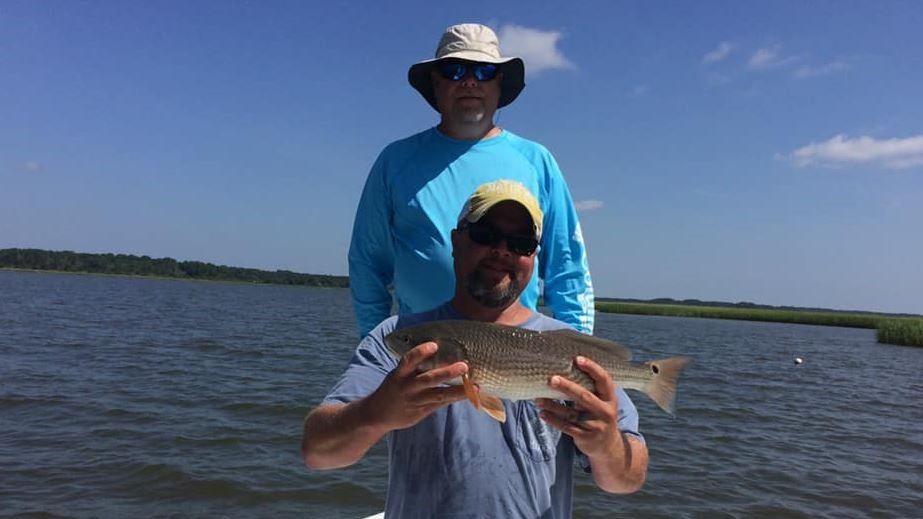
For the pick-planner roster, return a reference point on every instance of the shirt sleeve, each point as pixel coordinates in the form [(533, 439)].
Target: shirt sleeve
[(371, 253), (568, 288), (628, 415), (367, 369)]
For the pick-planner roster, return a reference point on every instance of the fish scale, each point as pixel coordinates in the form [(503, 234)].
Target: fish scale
[(527, 351), (516, 364)]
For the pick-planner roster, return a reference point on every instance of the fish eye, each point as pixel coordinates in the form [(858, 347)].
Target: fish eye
[(655, 369)]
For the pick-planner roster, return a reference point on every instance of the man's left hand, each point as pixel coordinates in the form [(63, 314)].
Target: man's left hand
[(593, 421)]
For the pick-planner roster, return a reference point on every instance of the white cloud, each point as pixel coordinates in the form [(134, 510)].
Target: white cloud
[(905, 163), (722, 51), (537, 48), (841, 151), (588, 205), (770, 57), (30, 167), (808, 71)]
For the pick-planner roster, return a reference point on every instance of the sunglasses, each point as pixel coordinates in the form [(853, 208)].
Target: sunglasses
[(490, 236), (455, 70)]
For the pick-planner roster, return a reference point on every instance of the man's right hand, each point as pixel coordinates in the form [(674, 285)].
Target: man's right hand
[(407, 396)]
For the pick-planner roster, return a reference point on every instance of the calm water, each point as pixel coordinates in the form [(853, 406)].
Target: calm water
[(140, 398)]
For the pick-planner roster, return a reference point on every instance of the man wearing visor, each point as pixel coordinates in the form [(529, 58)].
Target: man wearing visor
[(401, 237)]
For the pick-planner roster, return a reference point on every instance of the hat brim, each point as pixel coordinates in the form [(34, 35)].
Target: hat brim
[(513, 81), (534, 213)]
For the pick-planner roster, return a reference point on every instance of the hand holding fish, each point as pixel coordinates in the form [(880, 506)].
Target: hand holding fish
[(407, 395), (619, 465), (593, 421)]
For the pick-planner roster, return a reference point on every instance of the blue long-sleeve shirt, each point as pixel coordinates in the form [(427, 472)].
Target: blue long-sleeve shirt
[(411, 202)]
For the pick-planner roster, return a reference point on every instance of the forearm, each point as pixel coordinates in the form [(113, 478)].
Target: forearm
[(371, 252), (570, 298), (624, 469), (563, 257), (568, 285), (337, 436), (371, 302)]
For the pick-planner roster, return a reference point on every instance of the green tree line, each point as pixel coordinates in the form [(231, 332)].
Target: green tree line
[(128, 264)]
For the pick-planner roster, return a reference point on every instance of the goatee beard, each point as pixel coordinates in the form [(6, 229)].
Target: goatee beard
[(471, 115), (489, 295)]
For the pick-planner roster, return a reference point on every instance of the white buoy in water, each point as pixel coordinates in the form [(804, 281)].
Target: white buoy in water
[(798, 360)]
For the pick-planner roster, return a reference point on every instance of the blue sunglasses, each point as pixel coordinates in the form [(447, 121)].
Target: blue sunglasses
[(455, 70)]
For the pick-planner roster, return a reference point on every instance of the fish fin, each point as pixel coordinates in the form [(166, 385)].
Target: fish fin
[(471, 392), (494, 407), (620, 352), (662, 387)]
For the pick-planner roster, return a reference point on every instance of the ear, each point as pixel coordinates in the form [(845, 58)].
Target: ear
[(455, 240)]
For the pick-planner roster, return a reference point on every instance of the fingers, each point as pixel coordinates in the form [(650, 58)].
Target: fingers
[(559, 410), (600, 404), (437, 376), (563, 424), (411, 361), (577, 393), (605, 388), (437, 397), (413, 358)]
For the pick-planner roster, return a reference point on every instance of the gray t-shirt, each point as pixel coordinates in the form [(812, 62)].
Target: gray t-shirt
[(459, 462)]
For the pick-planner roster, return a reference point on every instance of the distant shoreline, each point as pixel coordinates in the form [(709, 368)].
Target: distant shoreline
[(839, 318), (167, 268), (152, 276), (905, 329), (901, 329)]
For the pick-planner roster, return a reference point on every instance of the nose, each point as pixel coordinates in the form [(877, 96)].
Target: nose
[(501, 248), (468, 80)]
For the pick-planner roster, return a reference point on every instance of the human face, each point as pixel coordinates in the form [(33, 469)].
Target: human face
[(493, 275), (466, 101)]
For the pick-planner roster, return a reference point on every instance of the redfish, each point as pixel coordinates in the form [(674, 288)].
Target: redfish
[(516, 364)]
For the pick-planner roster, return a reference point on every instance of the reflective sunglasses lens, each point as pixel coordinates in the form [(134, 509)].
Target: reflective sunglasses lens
[(455, 70), (485, 71), (452, 70)]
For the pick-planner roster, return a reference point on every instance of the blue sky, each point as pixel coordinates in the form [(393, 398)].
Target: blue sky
[(729, 151)]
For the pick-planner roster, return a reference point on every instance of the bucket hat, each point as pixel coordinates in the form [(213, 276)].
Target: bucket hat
[(471, 42)]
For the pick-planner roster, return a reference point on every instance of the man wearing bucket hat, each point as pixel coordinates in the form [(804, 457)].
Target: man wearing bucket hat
[(401, 235)]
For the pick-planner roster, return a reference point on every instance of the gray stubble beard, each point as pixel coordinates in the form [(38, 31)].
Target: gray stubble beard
[(487, 295), (471, 115)]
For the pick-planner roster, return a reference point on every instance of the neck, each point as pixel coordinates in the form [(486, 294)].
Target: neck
[(484, 129), (511, 315)]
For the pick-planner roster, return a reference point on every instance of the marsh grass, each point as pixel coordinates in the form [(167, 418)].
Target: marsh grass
[(745, 314), (906, 331)]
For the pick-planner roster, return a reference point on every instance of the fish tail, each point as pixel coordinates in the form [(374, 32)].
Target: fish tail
[(662, 386)]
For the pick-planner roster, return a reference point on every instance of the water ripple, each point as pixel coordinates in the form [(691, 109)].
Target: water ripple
[(162, 398)]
